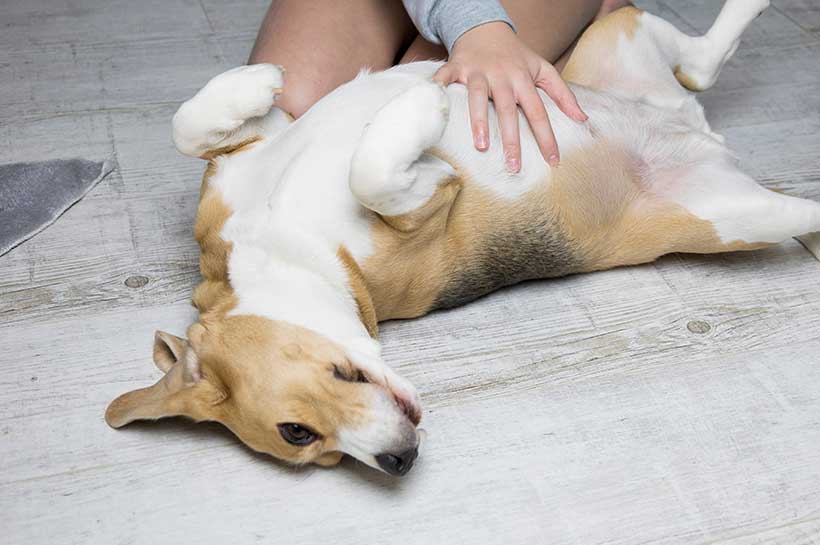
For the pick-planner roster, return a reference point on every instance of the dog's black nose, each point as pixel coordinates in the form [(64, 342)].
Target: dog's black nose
[(398, 464)]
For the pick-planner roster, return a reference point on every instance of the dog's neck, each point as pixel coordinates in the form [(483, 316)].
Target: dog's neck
[(293, 276)]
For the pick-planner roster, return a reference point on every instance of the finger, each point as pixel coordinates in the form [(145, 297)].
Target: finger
[(507, 110), (446, 74), (477, 99), (539, 122), (551, 82)]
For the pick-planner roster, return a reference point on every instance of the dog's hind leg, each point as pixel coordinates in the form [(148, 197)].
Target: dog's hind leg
[(742, 214), (697, 61), (392, 171), (622, 210), (232, 109), (638, 54)]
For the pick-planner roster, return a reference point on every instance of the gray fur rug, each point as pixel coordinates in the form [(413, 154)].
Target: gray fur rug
[(34, 195)]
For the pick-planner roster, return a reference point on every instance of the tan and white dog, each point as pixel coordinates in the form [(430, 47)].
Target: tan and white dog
[(374, 206)]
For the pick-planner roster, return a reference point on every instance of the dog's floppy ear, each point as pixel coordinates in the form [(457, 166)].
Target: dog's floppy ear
[(168, 349), (181, 392)]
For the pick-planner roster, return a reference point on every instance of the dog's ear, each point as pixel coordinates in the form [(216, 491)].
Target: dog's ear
[(168, 349), (183, 391)]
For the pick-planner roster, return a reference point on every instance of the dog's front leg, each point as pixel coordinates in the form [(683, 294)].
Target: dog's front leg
[(233, 108), (393, 171)]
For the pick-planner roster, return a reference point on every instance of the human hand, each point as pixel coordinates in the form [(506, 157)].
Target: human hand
[(494, 63)]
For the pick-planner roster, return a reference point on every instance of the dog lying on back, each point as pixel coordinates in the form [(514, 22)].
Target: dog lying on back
[(374, 206)]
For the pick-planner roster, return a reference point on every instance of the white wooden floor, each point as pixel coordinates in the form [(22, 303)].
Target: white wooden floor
[(674, 403)]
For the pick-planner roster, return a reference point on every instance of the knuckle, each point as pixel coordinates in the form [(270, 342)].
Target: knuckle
[(506, 107), (476, 85), (522, 80), (549, 70), (453, 66)]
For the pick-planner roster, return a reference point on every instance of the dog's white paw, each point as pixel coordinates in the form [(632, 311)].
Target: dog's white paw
[(223, 106), (387, 174), (243, 92), (418, 116)]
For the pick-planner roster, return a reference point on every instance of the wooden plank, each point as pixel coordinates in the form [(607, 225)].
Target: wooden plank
[(772, 28), (564, 329), (38, 23), (805, 13), (804, 531), (674, 454), (660, 9), (672, 403), (54, 80), (236, 15), (749, 106), (780, 154), (138, 222)]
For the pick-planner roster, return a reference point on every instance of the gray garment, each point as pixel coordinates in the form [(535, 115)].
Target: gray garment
[(444, 21), (34, 195)]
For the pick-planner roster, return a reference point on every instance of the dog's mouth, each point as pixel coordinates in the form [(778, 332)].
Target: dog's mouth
[(407, 404), (409, 407)]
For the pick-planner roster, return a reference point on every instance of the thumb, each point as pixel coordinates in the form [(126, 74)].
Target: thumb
[(446, 74)]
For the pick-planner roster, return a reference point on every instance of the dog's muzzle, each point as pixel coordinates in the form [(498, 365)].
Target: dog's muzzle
[(397, 464)]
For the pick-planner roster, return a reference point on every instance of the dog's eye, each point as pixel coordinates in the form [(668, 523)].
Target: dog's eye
[(357, 377), (297, 434)]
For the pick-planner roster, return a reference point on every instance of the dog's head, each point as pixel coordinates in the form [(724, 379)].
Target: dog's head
[(283, 390)]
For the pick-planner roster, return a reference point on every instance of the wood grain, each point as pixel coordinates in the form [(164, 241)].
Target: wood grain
[(675, 403)]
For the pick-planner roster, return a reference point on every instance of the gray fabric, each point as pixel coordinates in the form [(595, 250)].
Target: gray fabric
[(811, 243), (34, 195), (444, 21)]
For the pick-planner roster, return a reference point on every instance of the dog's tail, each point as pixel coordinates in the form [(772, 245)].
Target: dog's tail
[(233, 109)]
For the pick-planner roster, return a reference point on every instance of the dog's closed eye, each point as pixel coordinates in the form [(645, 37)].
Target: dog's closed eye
[(356, 376)]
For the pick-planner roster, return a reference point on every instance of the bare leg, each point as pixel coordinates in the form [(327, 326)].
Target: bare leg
[(607, 7), (548, 27), (324, 43)]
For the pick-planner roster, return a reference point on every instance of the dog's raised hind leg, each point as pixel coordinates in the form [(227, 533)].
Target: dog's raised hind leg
[(392, 172), (697, 61)]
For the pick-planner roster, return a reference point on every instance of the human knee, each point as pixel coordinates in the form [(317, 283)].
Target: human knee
[(298, 97)]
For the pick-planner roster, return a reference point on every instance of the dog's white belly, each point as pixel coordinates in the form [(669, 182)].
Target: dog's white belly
[(297, 182), (642, 128), (293, 208)]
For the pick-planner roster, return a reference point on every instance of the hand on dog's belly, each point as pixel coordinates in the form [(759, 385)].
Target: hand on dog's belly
[(493, 62)]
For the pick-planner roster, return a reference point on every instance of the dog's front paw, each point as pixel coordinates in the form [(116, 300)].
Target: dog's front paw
[(418, 115), (244, 92)]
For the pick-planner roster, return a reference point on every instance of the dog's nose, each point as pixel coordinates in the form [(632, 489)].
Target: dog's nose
[(397, 464)]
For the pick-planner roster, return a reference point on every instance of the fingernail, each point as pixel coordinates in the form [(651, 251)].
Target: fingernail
[(553, 160), (513, 164), (481, 141)]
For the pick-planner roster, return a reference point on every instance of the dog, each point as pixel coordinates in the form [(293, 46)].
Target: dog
[(375, 206)]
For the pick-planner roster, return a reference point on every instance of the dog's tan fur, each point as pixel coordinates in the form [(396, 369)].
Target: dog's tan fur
[(596, 212), (584, 66)]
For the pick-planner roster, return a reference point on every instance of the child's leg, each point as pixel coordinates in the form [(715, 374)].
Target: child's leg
[(324, 43)]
